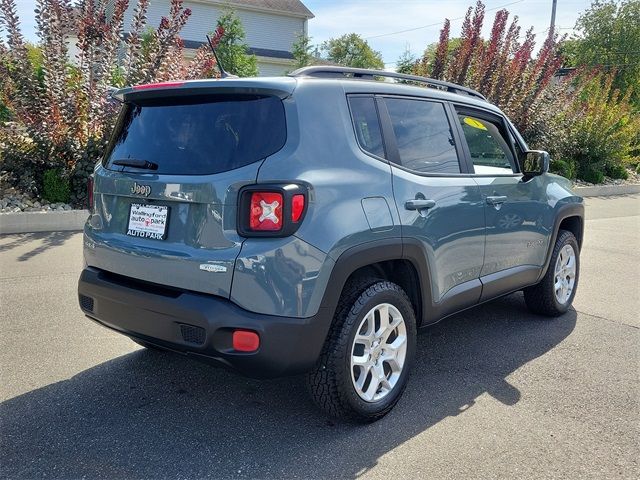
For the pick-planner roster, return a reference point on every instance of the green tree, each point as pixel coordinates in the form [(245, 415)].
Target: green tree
[(232, 49), (351, 50), (610, 37), (302, 51), (406, 63)]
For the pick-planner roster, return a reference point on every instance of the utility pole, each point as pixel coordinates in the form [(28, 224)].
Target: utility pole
[(552, 28)]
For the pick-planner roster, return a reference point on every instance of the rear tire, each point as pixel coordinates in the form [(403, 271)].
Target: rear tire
[(553, 295), (365, 362)]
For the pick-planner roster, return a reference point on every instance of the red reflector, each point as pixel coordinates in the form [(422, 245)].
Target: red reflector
[(297, 207), (245, 341), (90, 192), (266, 211), (157, 85)]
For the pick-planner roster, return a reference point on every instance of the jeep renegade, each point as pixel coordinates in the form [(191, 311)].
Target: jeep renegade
[(311, 223)]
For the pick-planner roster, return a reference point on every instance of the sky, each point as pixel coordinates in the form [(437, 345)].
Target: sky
[(376, 20)]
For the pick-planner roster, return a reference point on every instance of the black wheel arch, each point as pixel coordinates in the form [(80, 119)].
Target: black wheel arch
[(391, 259), (569, 216)]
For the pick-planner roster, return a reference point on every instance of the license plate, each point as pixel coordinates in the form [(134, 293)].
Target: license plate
[(148, 221)]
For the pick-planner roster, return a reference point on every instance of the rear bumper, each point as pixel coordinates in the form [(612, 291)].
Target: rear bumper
[(202, 325)]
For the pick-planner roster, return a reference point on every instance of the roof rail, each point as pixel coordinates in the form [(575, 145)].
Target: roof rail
[(330, 71)]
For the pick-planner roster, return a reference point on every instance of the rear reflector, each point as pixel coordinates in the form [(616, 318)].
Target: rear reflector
[(265, 211), (297, 207), (147, 86), (245, 341)]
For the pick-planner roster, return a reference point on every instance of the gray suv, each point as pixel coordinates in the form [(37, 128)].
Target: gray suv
[(312, 223)]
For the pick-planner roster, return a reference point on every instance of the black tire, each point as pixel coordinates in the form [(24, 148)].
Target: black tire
[(330, 383), (541, 298)]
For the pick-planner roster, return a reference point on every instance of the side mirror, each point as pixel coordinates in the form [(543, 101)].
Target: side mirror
[(536, 162)]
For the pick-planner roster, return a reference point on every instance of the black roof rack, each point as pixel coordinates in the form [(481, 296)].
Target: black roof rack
[(330, 71)]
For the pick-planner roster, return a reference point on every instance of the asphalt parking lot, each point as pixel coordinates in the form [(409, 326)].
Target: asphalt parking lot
[(496, 392)]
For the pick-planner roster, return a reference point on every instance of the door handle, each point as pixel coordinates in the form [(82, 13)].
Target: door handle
[(419, 204), (496, 200)]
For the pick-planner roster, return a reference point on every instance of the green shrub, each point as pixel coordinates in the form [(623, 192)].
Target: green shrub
[(566, 168), (589, 122), (592, 176), (617, 171), (55, 187)]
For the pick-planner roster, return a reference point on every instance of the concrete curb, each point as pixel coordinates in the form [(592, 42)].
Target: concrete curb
[(27, 222), (607, 190)]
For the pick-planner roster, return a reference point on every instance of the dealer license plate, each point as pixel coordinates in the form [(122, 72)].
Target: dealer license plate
[(148, 221)]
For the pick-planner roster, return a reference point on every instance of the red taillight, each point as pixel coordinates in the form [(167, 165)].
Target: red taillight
[(271, 209), (297, 207), (245, 341), (265, 211), (90, 192), (157, 85)]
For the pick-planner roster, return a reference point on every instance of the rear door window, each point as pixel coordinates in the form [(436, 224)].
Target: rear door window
[(423, 135), (198, 135), (367, 124)]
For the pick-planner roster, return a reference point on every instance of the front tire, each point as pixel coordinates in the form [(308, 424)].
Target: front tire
[(365, 362), (553, 295)]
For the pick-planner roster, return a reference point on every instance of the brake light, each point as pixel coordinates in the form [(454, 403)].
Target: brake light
[(265, 211), (90, 192), (297, 207), (147, 86), (271, 210)]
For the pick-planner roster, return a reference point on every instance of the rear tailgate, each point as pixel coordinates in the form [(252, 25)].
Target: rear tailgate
[(166, 193)]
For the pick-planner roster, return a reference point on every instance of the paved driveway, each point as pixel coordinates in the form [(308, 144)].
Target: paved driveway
[(496, 392)]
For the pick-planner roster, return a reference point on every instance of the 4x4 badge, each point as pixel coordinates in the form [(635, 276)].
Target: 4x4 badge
[(143, 190)]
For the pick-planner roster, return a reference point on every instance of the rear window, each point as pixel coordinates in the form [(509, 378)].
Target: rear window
[(198, 135)]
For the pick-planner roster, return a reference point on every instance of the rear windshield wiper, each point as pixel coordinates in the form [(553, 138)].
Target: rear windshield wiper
[(133, 162)]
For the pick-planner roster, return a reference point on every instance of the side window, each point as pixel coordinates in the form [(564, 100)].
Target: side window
[(489, 150), (367, 125), (423, 135)]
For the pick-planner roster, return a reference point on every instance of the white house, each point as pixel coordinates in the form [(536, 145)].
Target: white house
[(271, 27)]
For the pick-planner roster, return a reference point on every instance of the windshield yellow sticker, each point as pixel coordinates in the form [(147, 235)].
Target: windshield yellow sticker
[(472, 122)]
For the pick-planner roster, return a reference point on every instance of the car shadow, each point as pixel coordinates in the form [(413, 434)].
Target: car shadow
[(150, 414)]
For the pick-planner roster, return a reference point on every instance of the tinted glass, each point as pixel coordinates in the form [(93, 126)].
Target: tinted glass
[(489, 150), (367, 125), (199, 135), (424, 137)]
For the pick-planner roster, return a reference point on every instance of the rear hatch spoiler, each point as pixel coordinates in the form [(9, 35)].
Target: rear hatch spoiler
[(282, 88)]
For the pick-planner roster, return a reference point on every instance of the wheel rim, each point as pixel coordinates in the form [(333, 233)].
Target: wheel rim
[(378, 352), (565, 274)]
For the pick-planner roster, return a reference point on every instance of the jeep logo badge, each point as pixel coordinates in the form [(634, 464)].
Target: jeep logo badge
[(143, 190)]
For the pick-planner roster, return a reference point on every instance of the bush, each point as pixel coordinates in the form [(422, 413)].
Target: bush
[(566, 168), (584, 119), (55, 187), (592, 176), (617, 171)]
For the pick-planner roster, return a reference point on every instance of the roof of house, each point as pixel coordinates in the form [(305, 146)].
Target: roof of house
[(290, 6)]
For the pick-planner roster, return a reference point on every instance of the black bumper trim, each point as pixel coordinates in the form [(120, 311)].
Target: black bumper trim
[(287, 345)]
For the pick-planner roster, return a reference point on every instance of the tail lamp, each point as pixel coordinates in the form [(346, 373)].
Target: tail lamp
[(271, 210)]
